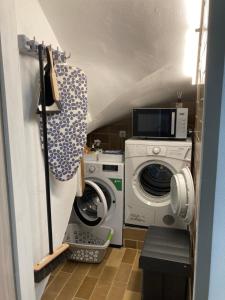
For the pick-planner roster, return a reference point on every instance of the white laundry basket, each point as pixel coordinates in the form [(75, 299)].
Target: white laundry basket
[(87, 244)]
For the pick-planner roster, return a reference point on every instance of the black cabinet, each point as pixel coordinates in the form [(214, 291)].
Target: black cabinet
[(166, 264)]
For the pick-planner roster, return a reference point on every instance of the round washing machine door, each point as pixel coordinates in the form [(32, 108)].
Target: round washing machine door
[(151, 182), (183, 195), (91, 208), (108, 193), (155, 179)]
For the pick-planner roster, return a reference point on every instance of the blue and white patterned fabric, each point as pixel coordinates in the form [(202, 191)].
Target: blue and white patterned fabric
[(67, 129)]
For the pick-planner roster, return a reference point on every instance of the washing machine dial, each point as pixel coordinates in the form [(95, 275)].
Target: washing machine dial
[(156, 150), (91, 169)]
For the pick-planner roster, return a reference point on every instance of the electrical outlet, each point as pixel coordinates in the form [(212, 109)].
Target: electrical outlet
[(122, 133)]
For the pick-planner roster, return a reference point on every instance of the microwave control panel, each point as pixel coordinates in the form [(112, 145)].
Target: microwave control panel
[(182, 123)]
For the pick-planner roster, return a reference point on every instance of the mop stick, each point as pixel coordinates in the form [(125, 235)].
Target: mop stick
[(55, 257)]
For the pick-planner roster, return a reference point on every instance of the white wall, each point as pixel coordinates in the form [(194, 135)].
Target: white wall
[(210, 251), (31, 21), (14, 138), (217, 272), (134, 52)]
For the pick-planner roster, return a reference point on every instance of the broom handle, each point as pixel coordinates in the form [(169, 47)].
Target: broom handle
[(45, 140)]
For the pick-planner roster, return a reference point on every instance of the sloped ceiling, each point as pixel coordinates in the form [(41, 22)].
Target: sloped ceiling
[(133, 51)]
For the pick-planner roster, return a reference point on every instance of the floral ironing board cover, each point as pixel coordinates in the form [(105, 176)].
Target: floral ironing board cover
[(67, 129)]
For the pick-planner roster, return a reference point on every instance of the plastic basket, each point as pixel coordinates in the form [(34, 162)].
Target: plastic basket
[(88, 244)]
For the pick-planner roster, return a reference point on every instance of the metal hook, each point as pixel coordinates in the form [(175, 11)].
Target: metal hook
[(56, 53), (31, 44), (44, 48), (34, 46), (63, 56), (67, 57)]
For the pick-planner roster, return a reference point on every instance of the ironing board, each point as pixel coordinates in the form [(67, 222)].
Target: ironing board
[(67, 129)]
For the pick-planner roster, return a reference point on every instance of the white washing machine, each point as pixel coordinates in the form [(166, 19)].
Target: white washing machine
[(102, 202), (159, 187)]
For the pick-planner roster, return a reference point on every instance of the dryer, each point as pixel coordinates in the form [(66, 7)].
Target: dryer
[(102, 202), (159, 187)]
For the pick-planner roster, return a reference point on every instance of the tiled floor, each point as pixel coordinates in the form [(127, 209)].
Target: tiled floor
[(116, 278)]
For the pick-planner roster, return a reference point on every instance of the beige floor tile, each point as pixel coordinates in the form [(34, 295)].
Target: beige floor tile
[(108, 252), (136, 262), (86, 288), (117, 277), (129, 256), (69, 266), (108, 275), (49, 295), (115, 257), (116, 293), (57, 283), (96, 269), (100, 292), (134, 234), (120, 284), (135, 281), (123, 273), (83, 269), (140, 245), (74, 282), (50, 280), (132, 296), (57, 269), (130, 244)]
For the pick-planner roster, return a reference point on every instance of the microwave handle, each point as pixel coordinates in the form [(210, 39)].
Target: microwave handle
[(173, 123)]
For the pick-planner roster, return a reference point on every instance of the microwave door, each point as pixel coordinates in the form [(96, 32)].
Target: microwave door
[(154, 123)]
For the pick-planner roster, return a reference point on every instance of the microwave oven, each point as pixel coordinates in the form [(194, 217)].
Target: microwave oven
[(160, 123)]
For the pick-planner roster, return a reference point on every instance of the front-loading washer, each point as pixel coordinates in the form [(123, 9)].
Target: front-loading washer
[(159, 187), (102, 202)]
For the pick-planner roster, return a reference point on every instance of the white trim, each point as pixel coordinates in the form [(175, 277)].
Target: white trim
[(15, 152), (183, 195), (7, 282), (102, 208), (190, 190), (209, 281)]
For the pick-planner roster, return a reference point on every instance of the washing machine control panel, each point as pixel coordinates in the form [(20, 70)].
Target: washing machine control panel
[(156, 150), (103, 169), (91, 168), (183, 153)]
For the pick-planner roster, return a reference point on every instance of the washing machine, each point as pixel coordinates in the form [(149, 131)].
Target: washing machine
[(102, 202), (159, 187)]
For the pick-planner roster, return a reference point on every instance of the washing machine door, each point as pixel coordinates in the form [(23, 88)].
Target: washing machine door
[(92, 207), (182, 195), (155, 179), (151, 182)]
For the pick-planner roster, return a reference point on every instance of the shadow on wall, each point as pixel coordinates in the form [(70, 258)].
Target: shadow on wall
[(110, 135), (157, 89)]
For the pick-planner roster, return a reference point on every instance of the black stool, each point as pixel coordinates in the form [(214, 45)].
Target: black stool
[(166, 264)]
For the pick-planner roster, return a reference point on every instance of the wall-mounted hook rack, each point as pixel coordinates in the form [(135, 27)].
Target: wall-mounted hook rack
[(30, 47)]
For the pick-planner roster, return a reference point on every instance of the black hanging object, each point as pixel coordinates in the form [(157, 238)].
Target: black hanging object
[(50, 262), (51, 105)]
